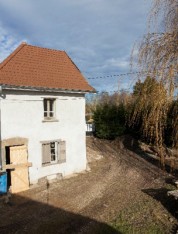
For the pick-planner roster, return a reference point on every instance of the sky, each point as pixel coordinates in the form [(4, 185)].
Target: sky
[(98, 35)]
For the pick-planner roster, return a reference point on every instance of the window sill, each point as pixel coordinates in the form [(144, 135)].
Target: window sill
[(49, 164), (50, 120), (52, 164)]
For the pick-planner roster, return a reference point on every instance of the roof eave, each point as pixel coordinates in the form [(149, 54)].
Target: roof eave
[(43, 89)]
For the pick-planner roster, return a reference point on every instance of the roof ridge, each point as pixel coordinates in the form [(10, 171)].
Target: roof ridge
[(6, 60), (46, 48)]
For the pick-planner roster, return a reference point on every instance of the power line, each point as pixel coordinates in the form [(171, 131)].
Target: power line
[(122, 74), (115, 91), (117, 75), (127, 90)]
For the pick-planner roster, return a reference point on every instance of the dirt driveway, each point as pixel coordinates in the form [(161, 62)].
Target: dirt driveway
[(121, 192)]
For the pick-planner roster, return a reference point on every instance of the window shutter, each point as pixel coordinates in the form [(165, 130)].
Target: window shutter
[(46, 154), (62, 151)]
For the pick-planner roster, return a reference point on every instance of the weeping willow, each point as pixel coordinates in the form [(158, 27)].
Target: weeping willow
[(158, 51), (158, 55)]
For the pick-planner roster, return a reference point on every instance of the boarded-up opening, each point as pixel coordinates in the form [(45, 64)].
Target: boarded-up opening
[(18, 168)]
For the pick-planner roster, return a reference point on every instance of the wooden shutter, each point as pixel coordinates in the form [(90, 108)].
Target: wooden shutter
[(46, 154), (62, 151)]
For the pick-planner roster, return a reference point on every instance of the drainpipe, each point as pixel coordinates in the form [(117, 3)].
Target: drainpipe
[(0, 131)]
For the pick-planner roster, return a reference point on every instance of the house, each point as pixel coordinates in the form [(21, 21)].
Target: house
[(42, 102), (90, 127)]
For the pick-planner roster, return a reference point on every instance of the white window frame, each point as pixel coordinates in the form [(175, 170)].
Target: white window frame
[(47, 113), (56, 153), (59, 152)]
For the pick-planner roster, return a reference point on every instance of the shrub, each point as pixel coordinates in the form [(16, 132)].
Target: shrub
[(171, 131), (109, 121)]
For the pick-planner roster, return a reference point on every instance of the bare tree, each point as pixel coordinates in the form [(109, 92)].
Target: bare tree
[(158, 55), (158, 51)]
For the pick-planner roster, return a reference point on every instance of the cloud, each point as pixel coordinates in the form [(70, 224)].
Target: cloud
[(98, 35), (7, 43), (120, 63)]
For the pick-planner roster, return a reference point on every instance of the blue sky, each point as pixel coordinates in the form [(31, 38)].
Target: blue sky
[(97, 34)]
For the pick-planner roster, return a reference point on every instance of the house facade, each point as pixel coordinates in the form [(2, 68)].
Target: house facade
[(42, 101)]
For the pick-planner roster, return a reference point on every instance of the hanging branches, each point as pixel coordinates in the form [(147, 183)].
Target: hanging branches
[(158, 54), (158, 50)]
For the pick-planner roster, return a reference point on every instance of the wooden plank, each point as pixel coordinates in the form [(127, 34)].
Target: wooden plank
[(13, 166), (19, 176), (19, 179)]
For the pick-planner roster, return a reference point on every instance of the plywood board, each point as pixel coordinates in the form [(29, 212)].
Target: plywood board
[(13, 166), (19, 176)]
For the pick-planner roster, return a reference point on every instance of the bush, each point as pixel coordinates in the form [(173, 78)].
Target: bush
[(109, 121), (171, 130)]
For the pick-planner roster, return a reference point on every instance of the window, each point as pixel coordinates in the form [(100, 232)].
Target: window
[(49, 108), (53, 152)]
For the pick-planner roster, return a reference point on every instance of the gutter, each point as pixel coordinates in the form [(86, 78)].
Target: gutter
[(42, 89)]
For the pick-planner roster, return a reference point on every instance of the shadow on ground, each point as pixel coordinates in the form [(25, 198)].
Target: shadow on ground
[(160, 195), (23, 215), (132, 144)]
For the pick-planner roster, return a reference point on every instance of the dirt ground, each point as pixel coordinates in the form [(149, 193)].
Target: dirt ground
[(120, 192)]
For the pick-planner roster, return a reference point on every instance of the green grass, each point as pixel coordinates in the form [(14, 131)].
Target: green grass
[(138, 219)]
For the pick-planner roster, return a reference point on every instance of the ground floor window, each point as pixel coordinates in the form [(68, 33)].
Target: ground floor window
[(53, 152)]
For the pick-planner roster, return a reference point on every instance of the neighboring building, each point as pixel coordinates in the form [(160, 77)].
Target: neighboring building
[(90, 127), (42, 116)]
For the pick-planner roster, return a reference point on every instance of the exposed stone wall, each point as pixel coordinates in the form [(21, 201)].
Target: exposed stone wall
[(11, 142)]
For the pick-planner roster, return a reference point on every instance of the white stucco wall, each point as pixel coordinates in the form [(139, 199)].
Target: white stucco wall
[(22, 116)]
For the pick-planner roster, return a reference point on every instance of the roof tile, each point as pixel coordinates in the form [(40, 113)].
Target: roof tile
[(34, 66)]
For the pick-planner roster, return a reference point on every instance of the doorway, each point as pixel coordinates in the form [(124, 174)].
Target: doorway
[(7, 153), (17, 168)]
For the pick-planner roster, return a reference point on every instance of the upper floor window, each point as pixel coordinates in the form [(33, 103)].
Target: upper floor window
[(49, 108)]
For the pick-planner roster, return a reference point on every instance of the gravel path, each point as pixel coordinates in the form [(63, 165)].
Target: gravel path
[(89, 202)]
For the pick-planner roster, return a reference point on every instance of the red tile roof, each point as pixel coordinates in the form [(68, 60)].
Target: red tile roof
[(36, 67)]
